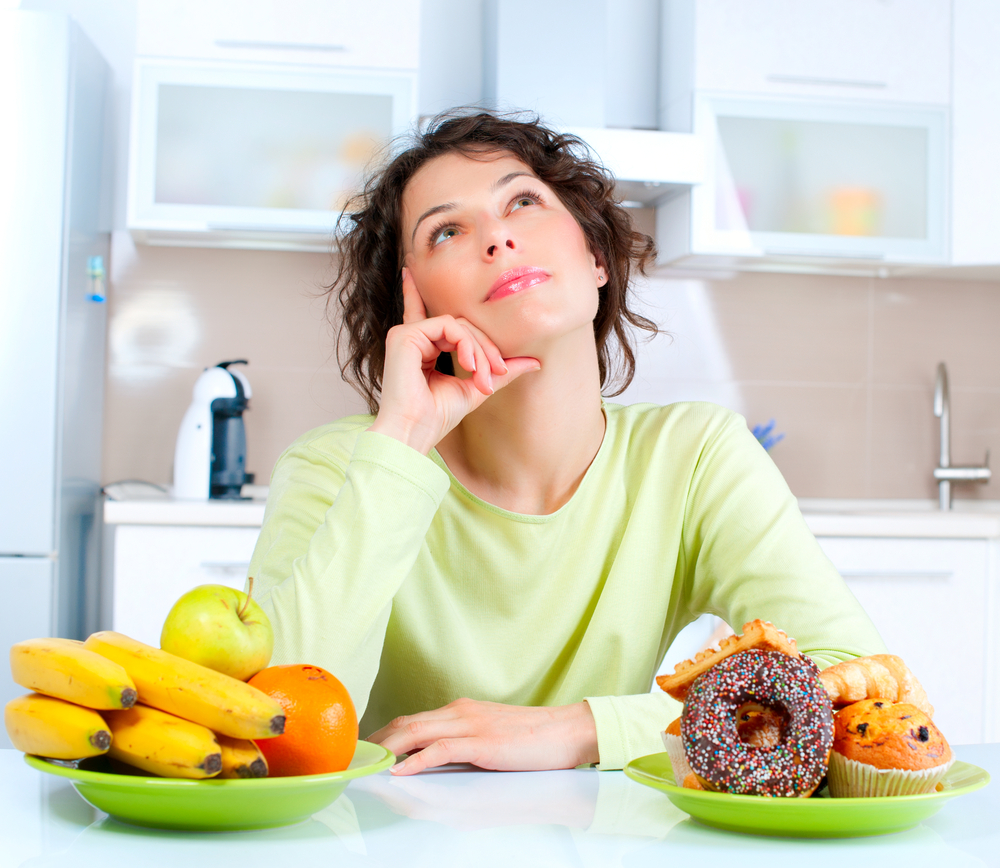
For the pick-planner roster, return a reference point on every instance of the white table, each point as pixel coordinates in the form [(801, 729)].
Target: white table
[(460, 817)]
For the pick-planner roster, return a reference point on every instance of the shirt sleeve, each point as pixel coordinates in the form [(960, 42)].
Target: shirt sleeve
[(746, 553), (340, 535)]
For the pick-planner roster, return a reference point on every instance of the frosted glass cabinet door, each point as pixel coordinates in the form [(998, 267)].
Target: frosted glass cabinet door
[(827, 180), (224, 148)]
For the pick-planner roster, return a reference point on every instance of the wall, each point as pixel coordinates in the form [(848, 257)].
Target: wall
[(845, 365)]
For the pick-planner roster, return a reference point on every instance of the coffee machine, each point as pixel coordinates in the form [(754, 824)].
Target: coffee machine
[(210, 456)]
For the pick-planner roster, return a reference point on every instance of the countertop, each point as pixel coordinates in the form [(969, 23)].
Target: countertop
[(460, 816), (969, 519)]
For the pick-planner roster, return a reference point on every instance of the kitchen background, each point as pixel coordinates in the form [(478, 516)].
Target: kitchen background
[(833, 330), (844, 364)]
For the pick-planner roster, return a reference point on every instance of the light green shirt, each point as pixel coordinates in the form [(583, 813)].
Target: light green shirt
[(375, 563)]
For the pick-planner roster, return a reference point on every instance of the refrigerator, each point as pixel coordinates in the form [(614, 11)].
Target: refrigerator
[(54, 100)]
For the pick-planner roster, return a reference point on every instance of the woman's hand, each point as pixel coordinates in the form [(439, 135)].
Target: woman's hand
[(492, 736), (419, 404)]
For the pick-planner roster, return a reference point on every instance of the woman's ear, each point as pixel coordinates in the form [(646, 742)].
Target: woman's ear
[(600, 267), (600, 271)]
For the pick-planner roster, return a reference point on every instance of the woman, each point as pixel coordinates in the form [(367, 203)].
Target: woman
[(496, 560)]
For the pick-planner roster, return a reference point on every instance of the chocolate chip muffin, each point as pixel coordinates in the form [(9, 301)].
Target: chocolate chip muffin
[(883, 748)]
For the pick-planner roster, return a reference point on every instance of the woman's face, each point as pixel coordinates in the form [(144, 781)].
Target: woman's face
[(485, 239)]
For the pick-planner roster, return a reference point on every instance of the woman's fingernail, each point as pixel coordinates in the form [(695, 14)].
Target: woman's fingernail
[(503, 365), (398, 766)]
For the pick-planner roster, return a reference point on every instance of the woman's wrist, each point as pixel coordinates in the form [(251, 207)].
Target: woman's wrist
[(585, 728), (411, 434)]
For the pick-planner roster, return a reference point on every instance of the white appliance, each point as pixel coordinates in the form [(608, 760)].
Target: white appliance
[(211, 453), (53, 100)]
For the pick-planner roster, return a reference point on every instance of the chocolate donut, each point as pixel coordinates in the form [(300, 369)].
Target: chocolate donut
[(723, 761)]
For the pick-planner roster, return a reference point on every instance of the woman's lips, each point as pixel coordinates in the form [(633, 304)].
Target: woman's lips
[(514, 280)]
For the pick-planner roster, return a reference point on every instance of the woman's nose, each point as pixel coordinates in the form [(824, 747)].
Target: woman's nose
[(495, 235), (492, 248)]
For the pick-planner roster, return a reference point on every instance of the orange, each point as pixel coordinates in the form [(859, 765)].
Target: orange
[(321, 725)]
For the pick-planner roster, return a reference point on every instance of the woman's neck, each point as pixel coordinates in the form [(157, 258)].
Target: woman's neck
[(528, 447)]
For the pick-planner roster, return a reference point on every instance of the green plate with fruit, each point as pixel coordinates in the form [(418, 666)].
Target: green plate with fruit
[(212, 805), (816, 817)]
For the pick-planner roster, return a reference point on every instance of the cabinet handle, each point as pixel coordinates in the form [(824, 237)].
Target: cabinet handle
[(824, 254), (254, 44), (225, 565), (939, 575), (826, 82), (249, 227)]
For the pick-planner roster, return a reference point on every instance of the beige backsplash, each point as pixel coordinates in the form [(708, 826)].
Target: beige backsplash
[(844, 364)]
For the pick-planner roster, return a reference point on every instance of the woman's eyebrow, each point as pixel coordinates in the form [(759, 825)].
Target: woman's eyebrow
[(510, 176), (430, 212), (450, 206)]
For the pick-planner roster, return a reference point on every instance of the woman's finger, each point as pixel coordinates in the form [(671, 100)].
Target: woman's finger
[(515, 368), (404, 722), (439, 753), (413, 304), (492, 351)]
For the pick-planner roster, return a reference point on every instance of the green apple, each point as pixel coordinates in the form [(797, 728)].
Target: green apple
[(221, 628)]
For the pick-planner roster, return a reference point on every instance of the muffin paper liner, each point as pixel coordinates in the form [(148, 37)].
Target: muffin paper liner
[(849, 778), (675, 750)]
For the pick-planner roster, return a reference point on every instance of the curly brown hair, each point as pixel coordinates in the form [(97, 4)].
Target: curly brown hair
[(368, 286)]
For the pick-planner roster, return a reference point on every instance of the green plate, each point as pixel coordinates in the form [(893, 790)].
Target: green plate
[(214, 805), (818, 817)]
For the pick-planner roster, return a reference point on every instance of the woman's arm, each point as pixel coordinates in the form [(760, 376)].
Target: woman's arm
[(347, 514), (749, 554), (746, 553)]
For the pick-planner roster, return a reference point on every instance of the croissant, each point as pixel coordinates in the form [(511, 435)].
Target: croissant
[(880, 676)]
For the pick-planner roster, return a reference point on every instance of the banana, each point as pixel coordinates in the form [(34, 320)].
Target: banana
[(192, 691), (64, 668), (163, 744), (51, 727), (241, 758)]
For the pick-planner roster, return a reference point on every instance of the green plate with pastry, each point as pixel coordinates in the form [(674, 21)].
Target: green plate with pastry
[(816, 817)]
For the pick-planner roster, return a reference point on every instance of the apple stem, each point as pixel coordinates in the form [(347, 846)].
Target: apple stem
[(246, 602)]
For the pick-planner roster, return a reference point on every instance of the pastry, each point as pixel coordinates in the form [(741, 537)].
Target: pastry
[(756, 635), (880, 676), (789, 690), (883, 748)]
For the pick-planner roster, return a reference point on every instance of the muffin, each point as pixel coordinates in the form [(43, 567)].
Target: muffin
[(883, 748)]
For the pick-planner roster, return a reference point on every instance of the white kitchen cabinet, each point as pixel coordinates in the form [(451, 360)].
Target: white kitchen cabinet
[(381, 35), (254, 155), (975, 134), (825, 131), (152, 565), (933, 602), (881, 51), (811, 185)]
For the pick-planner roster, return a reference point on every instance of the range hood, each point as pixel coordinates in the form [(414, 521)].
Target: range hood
[(650, 167)]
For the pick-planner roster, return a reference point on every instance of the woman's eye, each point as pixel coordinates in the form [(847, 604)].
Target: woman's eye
[(521, 201), (444, 235)]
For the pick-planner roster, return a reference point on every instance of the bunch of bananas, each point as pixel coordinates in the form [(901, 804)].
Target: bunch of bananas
[(143, 707)]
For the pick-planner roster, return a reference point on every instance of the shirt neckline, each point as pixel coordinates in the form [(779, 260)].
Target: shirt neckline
[(524, 517)]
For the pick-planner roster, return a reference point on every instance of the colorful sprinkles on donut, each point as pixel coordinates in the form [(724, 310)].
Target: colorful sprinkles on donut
[(790, 686)]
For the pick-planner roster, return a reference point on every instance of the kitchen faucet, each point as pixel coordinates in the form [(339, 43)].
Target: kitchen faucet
[(944, 473)]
